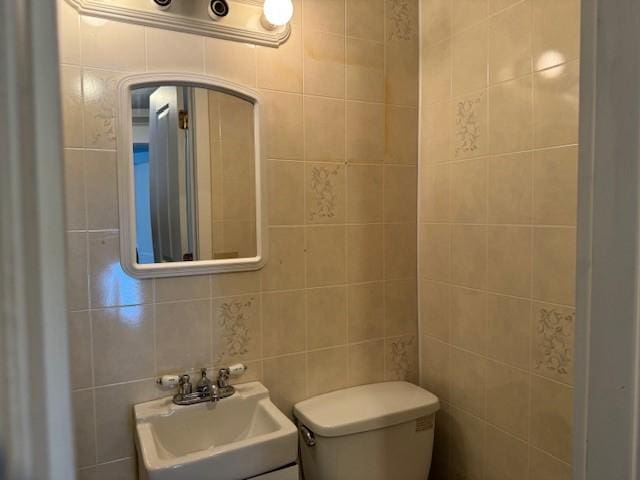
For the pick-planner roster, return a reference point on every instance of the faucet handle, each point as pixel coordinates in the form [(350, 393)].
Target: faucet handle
[(223, 377), (224, 374), (185, 387)]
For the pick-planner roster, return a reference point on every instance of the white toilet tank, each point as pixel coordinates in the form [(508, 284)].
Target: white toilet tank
[(380, 431)]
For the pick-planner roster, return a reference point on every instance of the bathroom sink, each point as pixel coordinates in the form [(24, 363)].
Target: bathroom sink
[(236, 438)]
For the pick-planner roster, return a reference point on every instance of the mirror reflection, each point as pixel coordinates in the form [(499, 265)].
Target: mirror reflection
[(194, 168)]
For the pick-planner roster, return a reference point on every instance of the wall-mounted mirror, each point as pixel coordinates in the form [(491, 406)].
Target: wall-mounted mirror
[(190, 173)]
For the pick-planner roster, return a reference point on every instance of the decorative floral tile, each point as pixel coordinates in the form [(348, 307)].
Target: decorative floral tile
[(236, 329), (469, 130), (325, 193), (553, 342), (99, 88), (402, 359), (402, 19)]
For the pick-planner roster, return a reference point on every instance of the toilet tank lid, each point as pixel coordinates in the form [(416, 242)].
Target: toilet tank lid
[(364, 408)]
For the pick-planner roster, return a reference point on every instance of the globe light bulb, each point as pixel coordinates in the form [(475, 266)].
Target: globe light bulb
[(276, 13)]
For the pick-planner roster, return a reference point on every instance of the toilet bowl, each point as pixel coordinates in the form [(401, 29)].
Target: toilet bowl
[(380, 431)]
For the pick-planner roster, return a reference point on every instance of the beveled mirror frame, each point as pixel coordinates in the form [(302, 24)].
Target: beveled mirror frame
[(126, 193)]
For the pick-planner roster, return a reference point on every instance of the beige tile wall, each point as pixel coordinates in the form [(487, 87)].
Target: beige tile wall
[(497, 219), (337, 303)]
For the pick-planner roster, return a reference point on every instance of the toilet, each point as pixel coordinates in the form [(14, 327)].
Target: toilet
[(380, 431)]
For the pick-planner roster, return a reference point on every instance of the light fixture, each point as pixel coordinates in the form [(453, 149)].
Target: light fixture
[(276, 13), (162, 4), (218, 9)]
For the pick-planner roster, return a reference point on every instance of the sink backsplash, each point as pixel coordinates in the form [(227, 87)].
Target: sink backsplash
[(337, 303)]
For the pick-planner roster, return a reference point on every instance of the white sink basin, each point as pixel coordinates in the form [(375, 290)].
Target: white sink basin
[(237, 438)]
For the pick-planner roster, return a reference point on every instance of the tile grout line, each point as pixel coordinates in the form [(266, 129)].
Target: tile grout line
[(305, 234), (419, 194), (346, 195), (531, 259)]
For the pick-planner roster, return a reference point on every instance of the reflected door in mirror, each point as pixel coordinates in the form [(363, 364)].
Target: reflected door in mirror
[(195, 174)]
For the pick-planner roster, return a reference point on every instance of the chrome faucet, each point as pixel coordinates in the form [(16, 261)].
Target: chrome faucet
[(204, 386), (185, 387), (206, 390), (225, 390)]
